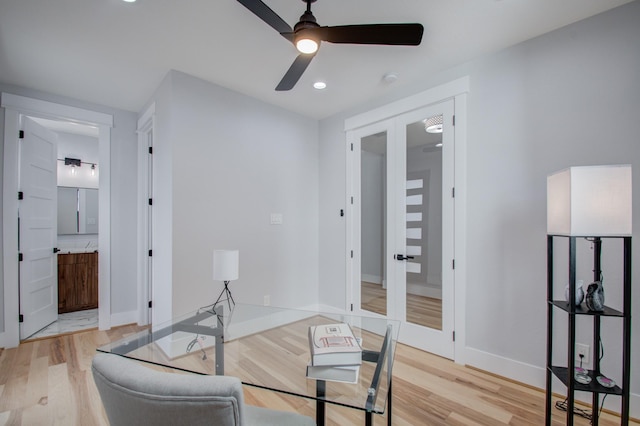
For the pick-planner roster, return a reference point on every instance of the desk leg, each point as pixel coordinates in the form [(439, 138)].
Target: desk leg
[(219, 355), (321, 388), (389, 398)]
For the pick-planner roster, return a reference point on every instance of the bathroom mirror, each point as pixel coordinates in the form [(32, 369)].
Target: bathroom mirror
[(77, 210)]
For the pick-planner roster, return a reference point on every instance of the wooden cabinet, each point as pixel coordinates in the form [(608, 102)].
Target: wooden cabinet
[(77, 282)]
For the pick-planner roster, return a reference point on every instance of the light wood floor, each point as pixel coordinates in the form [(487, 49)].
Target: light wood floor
[(421, 310), (49, 382)]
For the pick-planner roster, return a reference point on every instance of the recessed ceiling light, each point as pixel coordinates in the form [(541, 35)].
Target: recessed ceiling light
[(320, 85), (129, 1)]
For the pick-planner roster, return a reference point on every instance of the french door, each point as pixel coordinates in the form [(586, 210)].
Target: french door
[(402, 230)]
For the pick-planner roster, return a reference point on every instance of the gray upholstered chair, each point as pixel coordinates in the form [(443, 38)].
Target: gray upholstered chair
[(133, 394)]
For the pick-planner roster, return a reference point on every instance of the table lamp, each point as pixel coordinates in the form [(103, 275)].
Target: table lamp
[(590, 201), (225, 269)]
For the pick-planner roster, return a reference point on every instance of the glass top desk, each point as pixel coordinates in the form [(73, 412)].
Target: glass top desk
[(268, 347)]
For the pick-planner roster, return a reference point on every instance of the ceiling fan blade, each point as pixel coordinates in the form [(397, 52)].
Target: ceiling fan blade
[(391, 34), (294, 72), (263, 12)]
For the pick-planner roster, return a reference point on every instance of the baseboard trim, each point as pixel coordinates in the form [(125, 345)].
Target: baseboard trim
[(535, 377), (123, 318)]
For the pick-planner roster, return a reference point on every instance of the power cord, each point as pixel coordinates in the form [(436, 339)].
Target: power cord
[(562, 405)]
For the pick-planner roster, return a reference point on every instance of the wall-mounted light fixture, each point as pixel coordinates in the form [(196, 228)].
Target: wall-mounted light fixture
[(74, 162)]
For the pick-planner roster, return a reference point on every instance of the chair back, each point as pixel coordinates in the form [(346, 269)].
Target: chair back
[(136, 395)]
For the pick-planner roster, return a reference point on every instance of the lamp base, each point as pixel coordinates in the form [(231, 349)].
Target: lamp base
[(227, 292)]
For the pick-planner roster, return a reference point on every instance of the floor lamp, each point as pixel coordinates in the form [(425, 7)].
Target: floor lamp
[(225, 269)]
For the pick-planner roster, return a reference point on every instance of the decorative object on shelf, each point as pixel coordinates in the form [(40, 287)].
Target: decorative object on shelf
[(595, 297), (226, 269), (605, 381), (579, 293), (582, 378), (590, 201)]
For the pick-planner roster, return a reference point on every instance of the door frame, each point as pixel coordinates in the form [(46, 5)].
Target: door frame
[(15, 107), (146, 132), (458, 91)]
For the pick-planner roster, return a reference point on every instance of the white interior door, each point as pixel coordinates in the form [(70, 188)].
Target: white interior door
[(424, 182), (403, 234), (37, 228)]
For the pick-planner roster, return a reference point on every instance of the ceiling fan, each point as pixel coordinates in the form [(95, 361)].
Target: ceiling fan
[(307, 34)]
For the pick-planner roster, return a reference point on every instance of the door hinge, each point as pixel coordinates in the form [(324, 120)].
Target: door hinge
[(453, 264), (453, 192), (150, 253), (150, 304), (351, 147), (352, 254), (341, 212), (150, 150), (20, 318), (352, 307), (351, 200), (150, 201), (20, 257), (454, 120), (21, 134), (454, 336), (20, 195)]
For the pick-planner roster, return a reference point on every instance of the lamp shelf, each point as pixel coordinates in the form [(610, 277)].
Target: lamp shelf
[(581, 310), (572, 311), (562, 374)]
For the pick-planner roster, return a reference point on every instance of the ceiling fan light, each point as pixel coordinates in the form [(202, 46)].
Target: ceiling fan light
[(307, 45)]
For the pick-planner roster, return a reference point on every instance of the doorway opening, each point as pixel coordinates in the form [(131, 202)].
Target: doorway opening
[(17, 111), (77, 241)]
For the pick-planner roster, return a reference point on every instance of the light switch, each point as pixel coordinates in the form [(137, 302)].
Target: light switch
[(276, 218)]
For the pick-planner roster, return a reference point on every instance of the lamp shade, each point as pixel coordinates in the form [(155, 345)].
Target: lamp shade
[(590, 201), (225, 265)]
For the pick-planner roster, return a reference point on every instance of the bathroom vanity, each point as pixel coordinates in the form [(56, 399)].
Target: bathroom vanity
[(77, 281)]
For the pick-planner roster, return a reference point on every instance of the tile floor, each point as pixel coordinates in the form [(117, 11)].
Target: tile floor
[(69, 322)]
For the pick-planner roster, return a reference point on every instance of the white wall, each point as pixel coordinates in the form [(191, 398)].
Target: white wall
[(234, 161), (123, 195), (570, 97)]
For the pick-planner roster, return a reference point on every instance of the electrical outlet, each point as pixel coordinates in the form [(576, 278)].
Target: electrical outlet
[(584, 351), (267, 300)]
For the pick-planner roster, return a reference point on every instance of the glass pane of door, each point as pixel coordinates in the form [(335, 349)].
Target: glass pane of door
[(424, 222), (373, 190)]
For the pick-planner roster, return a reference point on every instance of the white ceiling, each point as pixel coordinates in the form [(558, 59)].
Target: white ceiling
[(114, 53)]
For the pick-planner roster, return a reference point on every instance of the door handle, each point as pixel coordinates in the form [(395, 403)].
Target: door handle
[(401, 257), (56, 249)]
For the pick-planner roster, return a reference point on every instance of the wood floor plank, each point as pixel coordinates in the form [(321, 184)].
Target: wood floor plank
[(50, 382), (60, 396)]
